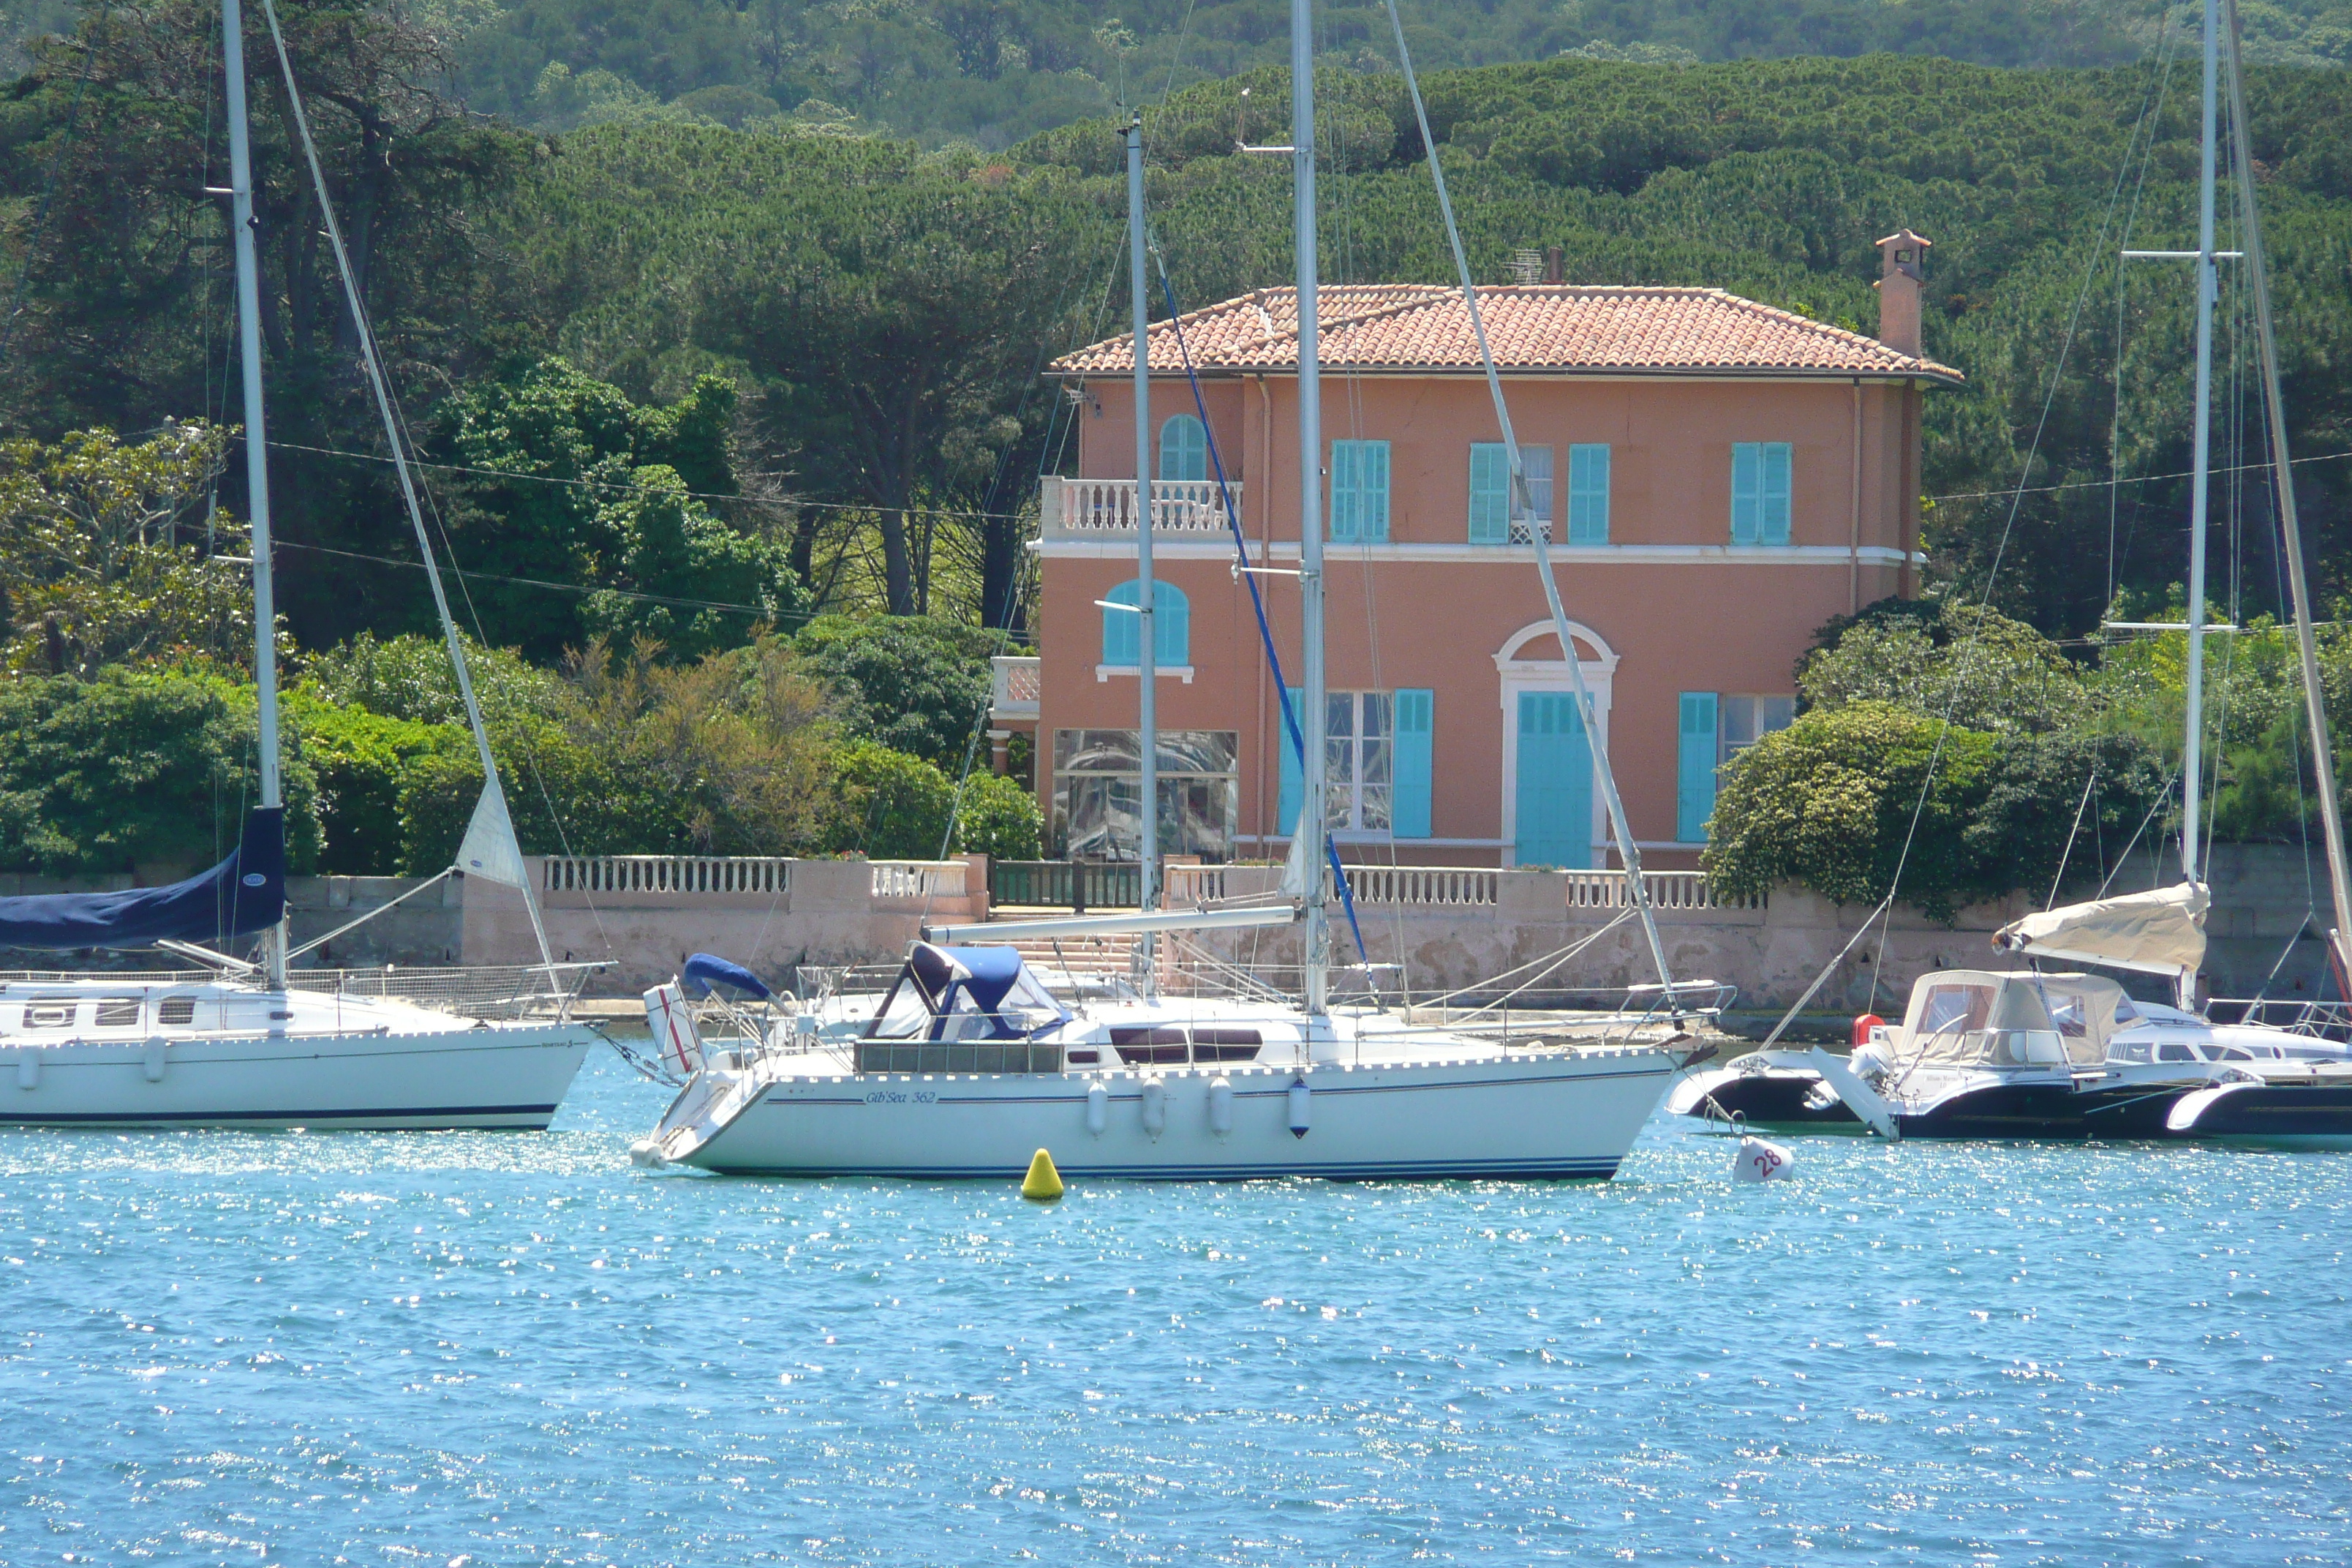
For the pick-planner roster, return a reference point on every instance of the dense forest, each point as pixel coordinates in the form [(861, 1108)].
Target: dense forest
[(689, 370)]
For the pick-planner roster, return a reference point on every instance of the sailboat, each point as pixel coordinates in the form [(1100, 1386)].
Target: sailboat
[(2051, 1055), (971, 1062), (254, 1044)]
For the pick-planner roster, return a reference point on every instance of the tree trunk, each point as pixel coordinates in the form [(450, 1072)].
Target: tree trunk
[(999, 572), (897, 563)]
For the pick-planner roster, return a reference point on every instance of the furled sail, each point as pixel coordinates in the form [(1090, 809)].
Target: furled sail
[(244, 894), (2161, 931)]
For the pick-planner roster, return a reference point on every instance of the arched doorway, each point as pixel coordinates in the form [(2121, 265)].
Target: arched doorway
[(1550, 811)]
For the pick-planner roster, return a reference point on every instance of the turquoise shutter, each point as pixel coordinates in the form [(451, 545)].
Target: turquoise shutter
[(1490, 494), (1374, 482), (1695, 769), (1184, 449), (1285, 811), (1171, 647), (1344, 501), (1588, 494), (1409, 807), (1122, 639), (1772, 524), (1747, 490)]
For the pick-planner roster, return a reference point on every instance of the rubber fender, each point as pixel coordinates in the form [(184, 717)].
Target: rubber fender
[(1098, 1109), (28, 1069), (1301, 1112), (1220, 1105), (1155, 1106), (158, 1054)]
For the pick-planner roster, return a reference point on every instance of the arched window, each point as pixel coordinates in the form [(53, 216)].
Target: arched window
[(1122, 640), (1183, 449)]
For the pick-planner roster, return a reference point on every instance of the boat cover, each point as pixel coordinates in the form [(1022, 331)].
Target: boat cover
[(1955, 1012), (709, 970), (957, 993), (2161, 931), (244, 894)]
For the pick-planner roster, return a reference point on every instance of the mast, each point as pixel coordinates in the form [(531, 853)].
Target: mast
[(1147, 649), (1310, 508), (2192, 772), (257, 442), (2331, 815)]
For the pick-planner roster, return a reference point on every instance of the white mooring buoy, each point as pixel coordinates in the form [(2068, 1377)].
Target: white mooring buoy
[(1762, 1161)]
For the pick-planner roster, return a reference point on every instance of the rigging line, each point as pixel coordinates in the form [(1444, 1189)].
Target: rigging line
[(629, 488), (394, 429), (1257, 603), (460, 571), (2216, 472), (2167, 50)]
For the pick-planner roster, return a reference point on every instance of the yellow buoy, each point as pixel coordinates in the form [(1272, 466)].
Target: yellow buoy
[(1043, 1183)]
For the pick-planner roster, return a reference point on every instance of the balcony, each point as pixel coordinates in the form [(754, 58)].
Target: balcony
[(1015, 686), (1105, 508)]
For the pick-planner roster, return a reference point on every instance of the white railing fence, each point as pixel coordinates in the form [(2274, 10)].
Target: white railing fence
[(678, 874), (1429, 886), (1084, 507), (1016, 684), (1668, 890), (919, 879)]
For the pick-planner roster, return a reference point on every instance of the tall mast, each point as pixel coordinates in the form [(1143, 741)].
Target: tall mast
[(2192, 774), (1147, 649), (257, 443), (1310, 505), (2331, 815)]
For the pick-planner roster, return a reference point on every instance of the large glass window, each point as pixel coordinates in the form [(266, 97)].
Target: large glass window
[(1358, 749), (1099, 793), (1747, 720)]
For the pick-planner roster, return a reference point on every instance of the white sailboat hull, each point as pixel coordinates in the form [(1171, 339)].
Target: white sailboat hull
[(497, 1076), (1522, 1115)]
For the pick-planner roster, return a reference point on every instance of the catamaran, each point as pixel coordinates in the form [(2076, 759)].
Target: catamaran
[(256, 1044), (970, 1062)]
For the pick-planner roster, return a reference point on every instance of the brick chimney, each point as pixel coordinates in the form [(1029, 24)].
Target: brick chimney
[(1903, 274)]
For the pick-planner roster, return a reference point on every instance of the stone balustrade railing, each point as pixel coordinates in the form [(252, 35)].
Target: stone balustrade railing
[(918, 881), (1094, 508), (1668, 890), (683, 875)]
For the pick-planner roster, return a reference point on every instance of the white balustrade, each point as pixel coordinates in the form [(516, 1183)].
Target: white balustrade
[(919, 879), (1017, 685), (1668, 890), (1092, 509), (680, 875), (1429, 886)]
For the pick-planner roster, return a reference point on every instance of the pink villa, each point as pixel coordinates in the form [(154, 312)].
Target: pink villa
[(1719, 478)]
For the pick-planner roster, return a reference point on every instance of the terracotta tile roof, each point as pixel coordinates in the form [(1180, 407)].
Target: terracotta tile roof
[(1570, 328)]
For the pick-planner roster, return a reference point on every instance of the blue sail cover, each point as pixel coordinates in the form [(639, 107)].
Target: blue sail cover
[(709, 970), (244, 894)]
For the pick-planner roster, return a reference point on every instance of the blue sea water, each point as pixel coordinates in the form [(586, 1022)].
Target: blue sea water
[(490, 1349)]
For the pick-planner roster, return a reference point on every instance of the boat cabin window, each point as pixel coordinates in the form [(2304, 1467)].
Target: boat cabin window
[(2174, 1051), (177, 1010), (2227, 1054), (1225, 1044), (1956, 1009), (115, 1013), (1160, 1043), (2132, 1051), (50, 1013)]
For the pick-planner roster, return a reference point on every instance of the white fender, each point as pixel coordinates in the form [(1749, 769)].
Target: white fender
[(1220, 1105), (28, 1069), (158, 1054), (1155, 1106), (1300, 1116), (675, 1038), (1098, 1109)]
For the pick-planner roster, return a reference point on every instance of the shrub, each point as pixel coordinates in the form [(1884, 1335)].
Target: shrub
[(999, 818), (886, 805)]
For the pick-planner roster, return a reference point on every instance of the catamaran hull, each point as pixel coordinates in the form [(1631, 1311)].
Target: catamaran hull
[(2293, 1116), (499, 1076), (1553, 1117), (2045, 1113), (1765, 1100)]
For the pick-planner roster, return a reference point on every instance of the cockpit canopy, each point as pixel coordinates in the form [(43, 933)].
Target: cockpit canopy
[(964, 994), (1980, 1018)]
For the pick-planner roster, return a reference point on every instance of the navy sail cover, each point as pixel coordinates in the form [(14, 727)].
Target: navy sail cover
[(244, 894)]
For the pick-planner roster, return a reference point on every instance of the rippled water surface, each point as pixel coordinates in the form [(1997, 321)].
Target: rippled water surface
[(513, 1347)]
